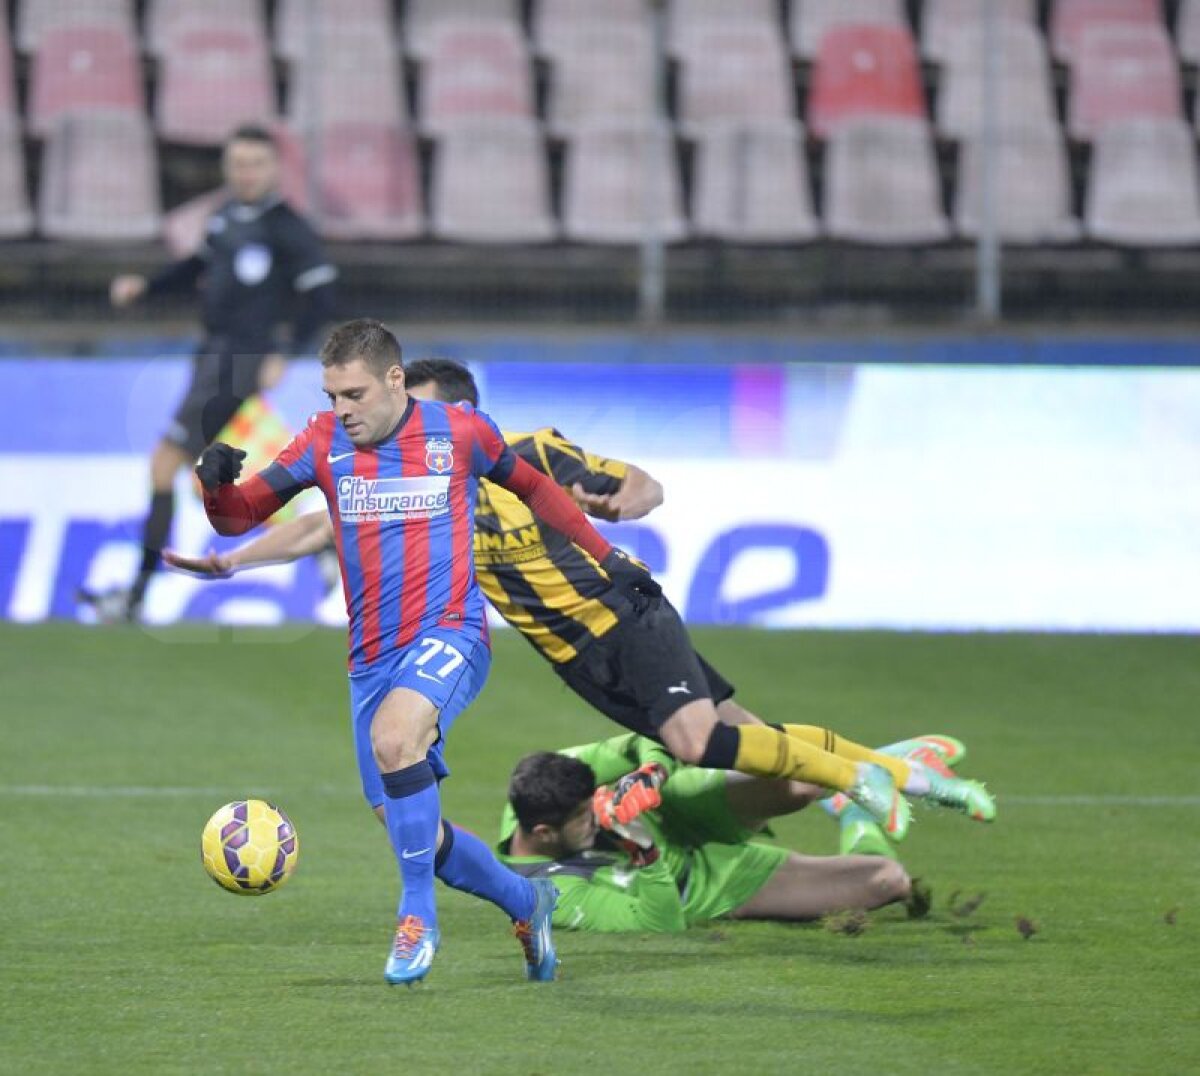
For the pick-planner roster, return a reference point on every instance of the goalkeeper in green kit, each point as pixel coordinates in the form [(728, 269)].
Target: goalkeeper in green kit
[(636, 841)]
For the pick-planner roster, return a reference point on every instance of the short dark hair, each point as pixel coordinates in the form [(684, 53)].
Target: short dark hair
[(253, 132), (452, 380), (547, 788), (364, 339)]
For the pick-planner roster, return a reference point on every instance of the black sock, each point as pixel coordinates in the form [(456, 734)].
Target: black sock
[(720, 753), (155, 531)]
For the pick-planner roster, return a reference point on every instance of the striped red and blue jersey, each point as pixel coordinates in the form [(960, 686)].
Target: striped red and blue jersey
[(403, 515)]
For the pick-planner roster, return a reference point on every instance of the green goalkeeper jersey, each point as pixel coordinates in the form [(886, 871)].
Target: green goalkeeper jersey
[(707, 867)]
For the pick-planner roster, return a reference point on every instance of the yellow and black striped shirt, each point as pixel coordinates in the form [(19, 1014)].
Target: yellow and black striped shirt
[(545, 586)]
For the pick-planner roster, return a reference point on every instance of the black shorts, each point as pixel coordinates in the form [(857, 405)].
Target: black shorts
[(643, 670), (221, 383)]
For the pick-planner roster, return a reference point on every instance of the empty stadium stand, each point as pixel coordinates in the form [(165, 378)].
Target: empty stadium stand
[(785, 125)]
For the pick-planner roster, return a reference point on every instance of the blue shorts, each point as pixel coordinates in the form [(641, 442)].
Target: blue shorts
[(441, 665)]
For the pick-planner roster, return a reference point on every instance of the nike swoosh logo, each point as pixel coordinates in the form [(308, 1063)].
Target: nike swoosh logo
[(426, 676), (340, 456), (678, 691), (413, 855)]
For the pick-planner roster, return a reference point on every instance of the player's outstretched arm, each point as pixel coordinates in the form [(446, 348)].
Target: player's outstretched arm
[(547, 500), (638, 496), (301, 537)]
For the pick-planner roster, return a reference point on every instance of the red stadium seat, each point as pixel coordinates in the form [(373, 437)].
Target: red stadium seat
[(812, 19), (425, 19), (168, 19), (83, 67), (211, 81), (1142, 187), (752, 184), (367, 181), (731, 72), (15, 217), (881, 182), (355, 76), (943, 20), (1032, 187), (1187, 31), (621, 181), (475, 72), (688, 17), (557, 23), (1070, 18), (1122, 72), (360, 19), (293, 166), (99, 178), (491, 184), (603, 72), (864, 71), (1025, 87), (36, 17), (8, 88)]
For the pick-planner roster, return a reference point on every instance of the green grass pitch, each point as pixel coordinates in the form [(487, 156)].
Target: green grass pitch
[(119, 955)]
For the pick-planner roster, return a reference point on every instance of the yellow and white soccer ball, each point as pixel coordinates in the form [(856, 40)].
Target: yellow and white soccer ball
[(249, 846)]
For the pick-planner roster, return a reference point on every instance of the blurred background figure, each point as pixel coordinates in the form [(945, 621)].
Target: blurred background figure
[(259, 264)]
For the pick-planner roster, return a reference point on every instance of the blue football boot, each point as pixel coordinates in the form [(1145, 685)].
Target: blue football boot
[(535, 936), (412, 952)]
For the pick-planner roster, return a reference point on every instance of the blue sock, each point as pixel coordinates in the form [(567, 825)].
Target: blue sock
[(413, 810), (466, 863)]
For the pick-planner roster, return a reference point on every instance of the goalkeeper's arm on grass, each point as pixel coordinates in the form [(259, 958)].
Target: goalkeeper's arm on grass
[(300, 537)]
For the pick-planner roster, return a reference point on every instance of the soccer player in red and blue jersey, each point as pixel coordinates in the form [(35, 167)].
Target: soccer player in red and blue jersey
[(400, 478)]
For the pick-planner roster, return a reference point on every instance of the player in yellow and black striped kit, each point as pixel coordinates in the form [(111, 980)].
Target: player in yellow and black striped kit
[(544, 585), (633, 662)]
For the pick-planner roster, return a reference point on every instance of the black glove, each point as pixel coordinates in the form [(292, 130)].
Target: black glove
[(219, 465), (630, 577)]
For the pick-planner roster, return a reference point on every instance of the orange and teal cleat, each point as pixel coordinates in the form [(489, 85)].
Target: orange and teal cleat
[(876, 793)]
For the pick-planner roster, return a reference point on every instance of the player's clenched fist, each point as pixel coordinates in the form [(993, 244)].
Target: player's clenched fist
[(219, 464), (629, 576), (638, 791)]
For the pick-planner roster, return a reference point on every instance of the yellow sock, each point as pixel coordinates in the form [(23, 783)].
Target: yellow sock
[(830, 741), (766, 752)]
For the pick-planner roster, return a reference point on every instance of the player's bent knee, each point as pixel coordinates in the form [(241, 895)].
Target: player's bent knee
[(687, 731), (165, 463), (394, 751)]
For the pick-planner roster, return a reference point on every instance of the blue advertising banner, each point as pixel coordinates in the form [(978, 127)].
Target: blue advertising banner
[(846, 494)]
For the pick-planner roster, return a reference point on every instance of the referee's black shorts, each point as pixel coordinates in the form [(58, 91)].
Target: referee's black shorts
[(222, 381), (643, 670)]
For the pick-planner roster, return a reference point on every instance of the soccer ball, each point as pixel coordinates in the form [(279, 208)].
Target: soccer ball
[(249, 846)]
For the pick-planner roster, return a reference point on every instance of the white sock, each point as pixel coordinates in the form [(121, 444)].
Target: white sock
[(918, 783)]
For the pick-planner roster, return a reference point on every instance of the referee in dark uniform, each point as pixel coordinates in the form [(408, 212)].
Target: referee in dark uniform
[(259, 265)]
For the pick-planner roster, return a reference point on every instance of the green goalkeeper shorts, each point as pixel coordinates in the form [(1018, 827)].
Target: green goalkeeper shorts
[(724, 869)]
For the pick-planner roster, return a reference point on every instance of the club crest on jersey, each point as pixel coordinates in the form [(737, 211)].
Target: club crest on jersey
[(439, 454)]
